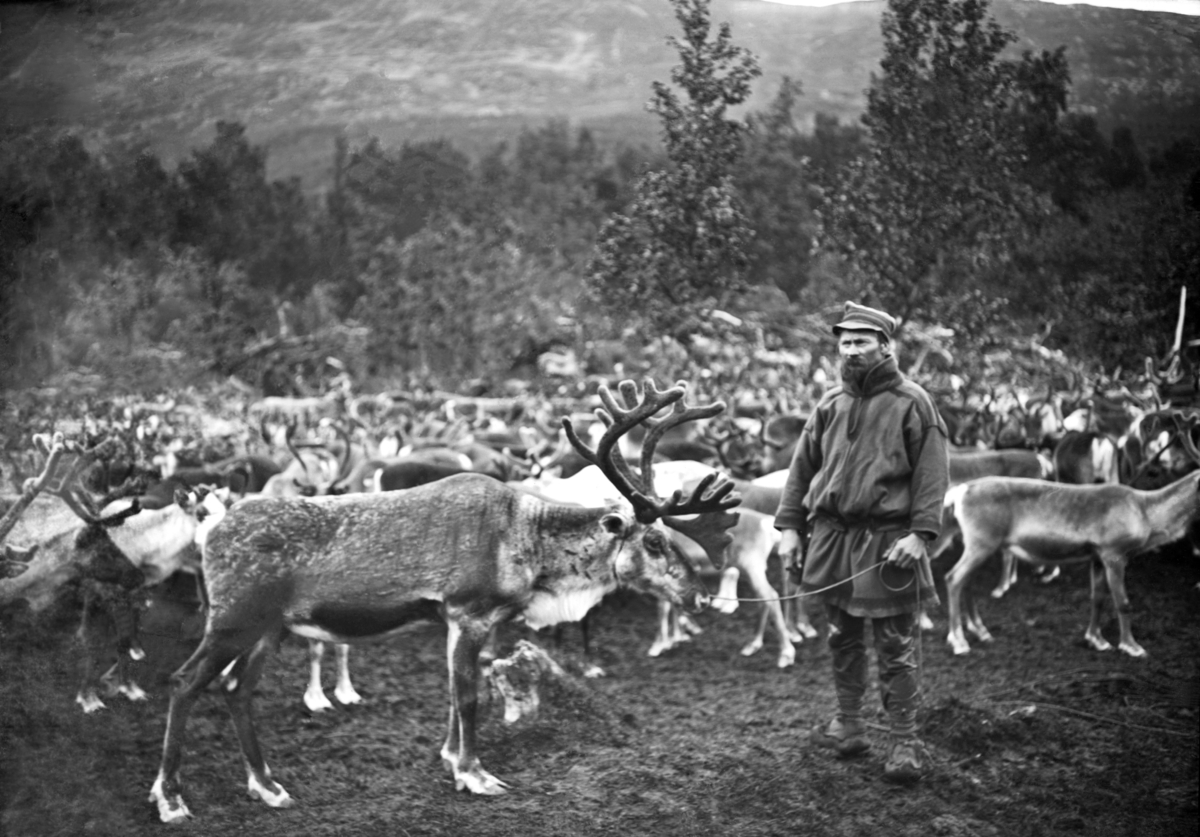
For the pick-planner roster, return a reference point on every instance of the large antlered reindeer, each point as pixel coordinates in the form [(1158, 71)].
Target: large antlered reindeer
[(467, 550)]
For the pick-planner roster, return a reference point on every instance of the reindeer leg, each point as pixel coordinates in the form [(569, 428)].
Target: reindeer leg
[(665, 639), (209, 659), (757, 641), (344, 691), (795, 614), (726, 599), (1099, 583), (125, 618), (956, 581), (1008, 574), (803, 624), (314, 695), (1115, 571), (757, 577), (86, 697), (973, 619), (464, 640), (591, 669), (685, 626), (239, 695)]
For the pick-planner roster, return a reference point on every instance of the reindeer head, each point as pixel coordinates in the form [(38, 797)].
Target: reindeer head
[(710, 501)]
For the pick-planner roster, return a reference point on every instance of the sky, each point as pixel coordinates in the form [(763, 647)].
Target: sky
[(1182, 7)]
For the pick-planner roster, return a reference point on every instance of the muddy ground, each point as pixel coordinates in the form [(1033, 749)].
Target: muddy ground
[(1035, 734)]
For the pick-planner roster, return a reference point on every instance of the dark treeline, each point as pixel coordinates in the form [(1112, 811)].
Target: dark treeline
[(419, 263)]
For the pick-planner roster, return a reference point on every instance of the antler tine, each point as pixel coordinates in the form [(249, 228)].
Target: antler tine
[(618, 422), (343, 469), (73, 502), (658, 402), (678, 416), (1185, 438), (290, 441), (117, 518), (714, 493)]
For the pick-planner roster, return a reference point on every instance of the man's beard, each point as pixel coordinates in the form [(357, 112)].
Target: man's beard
[(855, 374)]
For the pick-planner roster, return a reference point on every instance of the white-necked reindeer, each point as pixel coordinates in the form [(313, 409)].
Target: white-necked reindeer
[(468, 550), (1053, 523)]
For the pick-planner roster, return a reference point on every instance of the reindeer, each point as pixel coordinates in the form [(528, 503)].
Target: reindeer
[(468, 550), (1052, 523), (119, 551), (755, 539), (311, 474)]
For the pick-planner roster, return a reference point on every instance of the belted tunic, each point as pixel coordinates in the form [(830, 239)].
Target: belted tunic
[(871, 465)]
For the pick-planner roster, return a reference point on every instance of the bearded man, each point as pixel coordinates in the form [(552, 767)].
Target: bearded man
[(863, 499)]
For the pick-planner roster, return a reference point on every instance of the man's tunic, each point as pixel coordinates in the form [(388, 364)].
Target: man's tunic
[(871, 465)]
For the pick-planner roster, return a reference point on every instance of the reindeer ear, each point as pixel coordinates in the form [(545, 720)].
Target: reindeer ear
[(614, 524), (181, 498), (710, 530)]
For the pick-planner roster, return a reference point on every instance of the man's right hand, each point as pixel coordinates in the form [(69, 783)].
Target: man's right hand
[(791, 553)]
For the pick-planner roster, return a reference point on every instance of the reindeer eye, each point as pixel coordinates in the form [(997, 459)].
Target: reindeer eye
[(654, 541)]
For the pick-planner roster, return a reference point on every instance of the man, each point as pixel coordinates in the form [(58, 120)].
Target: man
[(866, 485)]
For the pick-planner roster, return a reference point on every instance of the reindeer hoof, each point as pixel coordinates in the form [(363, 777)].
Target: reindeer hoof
[(593, 671), (787, 658), (89, 703), (1132, 649), (752, 647), (347, 696), (132, 691), (807, 630), (170, 809), (480, 782), (1098, 642), (274, 796), (317, 702)]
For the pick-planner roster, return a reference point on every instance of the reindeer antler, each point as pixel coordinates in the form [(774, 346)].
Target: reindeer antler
[(706, 498), (618, 422), (289, 439), (55, 448), (343, 468), (1185, 437), (659, 427)]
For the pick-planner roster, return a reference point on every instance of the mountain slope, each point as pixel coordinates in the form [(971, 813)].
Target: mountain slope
[(297, 72)]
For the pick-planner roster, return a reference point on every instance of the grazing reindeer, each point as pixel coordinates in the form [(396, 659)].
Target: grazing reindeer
[(1052, 523), (755, 539), (469, 550)]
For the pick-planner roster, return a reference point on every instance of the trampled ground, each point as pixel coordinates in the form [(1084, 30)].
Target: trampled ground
[(1033, 735)]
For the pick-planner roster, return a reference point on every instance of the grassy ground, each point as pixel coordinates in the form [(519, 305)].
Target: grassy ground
[(1033, 735)]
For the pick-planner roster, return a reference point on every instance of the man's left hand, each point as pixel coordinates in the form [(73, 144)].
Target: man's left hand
[(907, 551)]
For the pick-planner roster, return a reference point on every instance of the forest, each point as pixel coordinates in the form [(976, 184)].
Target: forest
[(970, 199)]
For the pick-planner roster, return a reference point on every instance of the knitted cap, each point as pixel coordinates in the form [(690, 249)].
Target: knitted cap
[(859, 317)]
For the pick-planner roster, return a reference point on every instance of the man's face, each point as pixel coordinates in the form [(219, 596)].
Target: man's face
[(860, 350)]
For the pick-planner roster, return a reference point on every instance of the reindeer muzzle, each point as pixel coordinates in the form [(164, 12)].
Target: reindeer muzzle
[(696, 601)]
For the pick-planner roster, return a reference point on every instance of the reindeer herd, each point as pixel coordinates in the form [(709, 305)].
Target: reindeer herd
[(365, 528)]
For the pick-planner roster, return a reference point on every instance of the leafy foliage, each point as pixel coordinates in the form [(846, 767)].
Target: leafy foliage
[(424, 261), (682, 244), (939, 193)]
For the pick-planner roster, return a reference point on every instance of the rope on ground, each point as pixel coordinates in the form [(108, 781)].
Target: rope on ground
[(1093, 717)]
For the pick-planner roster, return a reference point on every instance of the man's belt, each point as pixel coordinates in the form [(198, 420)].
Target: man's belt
[(872, 524)]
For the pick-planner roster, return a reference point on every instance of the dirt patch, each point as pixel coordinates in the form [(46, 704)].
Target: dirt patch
[(1033, 735)]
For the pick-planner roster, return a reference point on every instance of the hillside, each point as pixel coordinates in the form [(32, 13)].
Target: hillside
[(297, 72)]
